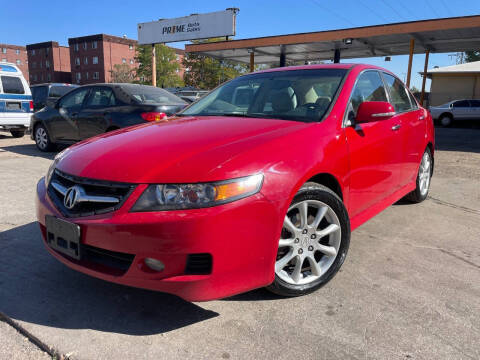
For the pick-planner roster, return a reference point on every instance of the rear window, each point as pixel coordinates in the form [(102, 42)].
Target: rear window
[(150, 95), (39, 93), (59, 91), (12, 85)]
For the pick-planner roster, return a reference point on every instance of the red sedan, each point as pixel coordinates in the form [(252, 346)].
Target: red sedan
[(257, 184)]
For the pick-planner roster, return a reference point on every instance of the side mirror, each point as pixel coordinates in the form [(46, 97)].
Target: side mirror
[(51, 102), (370, 111)]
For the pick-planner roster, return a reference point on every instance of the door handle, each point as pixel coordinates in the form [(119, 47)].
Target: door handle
[(421, 117), (396, 127)]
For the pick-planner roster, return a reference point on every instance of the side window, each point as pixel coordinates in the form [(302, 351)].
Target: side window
[(101, 97), (12, 85), (461, 104), (74, 99), (398, 94), (475, 103), (413, 101), (369, 87)]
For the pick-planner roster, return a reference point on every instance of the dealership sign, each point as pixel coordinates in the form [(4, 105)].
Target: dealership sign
[(196, 26)]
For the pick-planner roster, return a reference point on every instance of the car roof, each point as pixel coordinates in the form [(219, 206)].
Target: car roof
[(346, 66), (55, 84), (10, 69)]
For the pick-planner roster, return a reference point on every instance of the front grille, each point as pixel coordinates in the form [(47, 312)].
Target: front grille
[(92, 187), (118, 263), (199, 264)]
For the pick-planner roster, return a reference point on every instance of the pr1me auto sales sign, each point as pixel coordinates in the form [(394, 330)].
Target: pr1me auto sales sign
[(196, 26)]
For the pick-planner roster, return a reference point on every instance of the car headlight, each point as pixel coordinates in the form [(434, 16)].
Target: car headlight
[(194, 196), (53, 165)]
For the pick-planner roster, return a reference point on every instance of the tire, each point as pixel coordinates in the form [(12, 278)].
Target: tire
[(304, 244), (423, 179), (42, 139), (17, 133), (445, 120)]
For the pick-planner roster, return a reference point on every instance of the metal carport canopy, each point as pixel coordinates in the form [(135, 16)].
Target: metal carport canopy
[(437, 36)]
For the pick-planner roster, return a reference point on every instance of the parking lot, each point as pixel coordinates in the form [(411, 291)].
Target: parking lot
[(410, 287)]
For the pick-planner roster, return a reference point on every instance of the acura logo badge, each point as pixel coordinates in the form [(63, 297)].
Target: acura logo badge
[(72, 196)]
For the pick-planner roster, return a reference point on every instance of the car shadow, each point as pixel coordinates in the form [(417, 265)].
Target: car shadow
[(36, 288), (30, 150), (458, 139)]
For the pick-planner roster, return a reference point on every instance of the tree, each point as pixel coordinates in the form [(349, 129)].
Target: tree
[(122, 73), (204, 72), (167, 66), (472, 56)]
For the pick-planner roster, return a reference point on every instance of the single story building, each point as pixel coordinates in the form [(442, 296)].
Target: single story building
[(454, 82)]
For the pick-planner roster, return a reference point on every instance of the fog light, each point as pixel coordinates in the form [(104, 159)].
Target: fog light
[(154, 264)]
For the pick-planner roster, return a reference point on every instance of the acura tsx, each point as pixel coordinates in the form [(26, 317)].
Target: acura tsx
[(257, 184)]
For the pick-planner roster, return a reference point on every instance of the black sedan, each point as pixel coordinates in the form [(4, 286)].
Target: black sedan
[(94, 109)]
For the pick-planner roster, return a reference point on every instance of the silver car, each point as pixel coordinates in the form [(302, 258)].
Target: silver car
[(456, 110)]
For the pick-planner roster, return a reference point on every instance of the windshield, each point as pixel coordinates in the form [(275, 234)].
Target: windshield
[(302, 95), (150, 95)]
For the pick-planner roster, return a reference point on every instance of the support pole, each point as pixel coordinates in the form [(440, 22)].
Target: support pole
[(336, 56), (410, 58), (424, 80), (283, 59), (252, 61), (154, 66)]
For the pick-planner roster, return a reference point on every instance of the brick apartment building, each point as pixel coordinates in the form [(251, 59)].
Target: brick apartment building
[(94, 57), (15, 54), (180, 54), (48, 62)]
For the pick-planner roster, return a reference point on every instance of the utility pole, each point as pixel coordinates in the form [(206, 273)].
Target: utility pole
[(154, 66)]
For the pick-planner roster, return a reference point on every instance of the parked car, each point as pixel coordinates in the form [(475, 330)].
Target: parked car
[(456, 110), (230, 196), (16, 105), (44, 94), (191, 95), (95, 109)]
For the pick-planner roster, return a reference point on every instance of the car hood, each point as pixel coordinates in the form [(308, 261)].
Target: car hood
[(184, 149)]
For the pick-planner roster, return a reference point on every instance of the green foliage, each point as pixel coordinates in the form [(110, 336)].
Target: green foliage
[(471, 56), (122, 73), (204, 72), (167, 66)]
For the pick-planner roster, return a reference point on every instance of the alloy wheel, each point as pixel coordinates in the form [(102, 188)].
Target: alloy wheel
[(41, 137), (424, 173), (309, 243)]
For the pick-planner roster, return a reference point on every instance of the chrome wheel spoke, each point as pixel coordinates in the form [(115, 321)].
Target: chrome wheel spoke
[(297, 270), (280, 264), (314, 266), (287, 224), (320, 214), (327, 250), (303, 208), (328, 230), (285, 242)]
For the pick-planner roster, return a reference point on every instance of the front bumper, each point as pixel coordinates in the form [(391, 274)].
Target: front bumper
[(241, 237)]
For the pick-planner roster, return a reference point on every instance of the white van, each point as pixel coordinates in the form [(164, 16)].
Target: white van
[(16, 105)]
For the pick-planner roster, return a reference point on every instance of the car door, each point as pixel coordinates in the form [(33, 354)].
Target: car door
[(63, 125), (461, 110), (413, 122), (95, 116), (375, 148)]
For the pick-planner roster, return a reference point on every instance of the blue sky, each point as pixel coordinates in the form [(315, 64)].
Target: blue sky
[(59, 20)]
